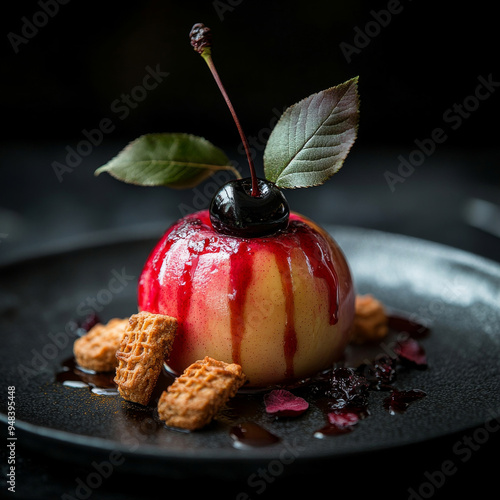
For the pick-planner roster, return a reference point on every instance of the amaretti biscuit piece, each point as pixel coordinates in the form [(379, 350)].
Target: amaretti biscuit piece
[(96, 350), (146, 344), (199, 393), (370, 320)]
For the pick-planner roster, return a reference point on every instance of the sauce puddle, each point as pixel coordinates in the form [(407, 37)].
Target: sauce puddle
[(251, 435), (72, 375)]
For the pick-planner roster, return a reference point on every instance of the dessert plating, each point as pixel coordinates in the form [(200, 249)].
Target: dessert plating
[(246, 291)]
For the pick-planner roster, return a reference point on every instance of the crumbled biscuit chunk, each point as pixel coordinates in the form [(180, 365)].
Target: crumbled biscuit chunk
[(96, 350), (199, 393), (146, 344), (370, 320)]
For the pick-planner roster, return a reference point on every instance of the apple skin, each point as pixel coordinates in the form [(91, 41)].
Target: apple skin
[(281, 306)]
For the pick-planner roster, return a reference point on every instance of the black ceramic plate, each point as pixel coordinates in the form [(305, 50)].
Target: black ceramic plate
[(456, 293)]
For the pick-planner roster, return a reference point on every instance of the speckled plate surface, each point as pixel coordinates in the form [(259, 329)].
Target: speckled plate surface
[(456, 293)]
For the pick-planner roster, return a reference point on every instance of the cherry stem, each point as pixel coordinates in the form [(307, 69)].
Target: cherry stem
[(208, 59), (201, 40)]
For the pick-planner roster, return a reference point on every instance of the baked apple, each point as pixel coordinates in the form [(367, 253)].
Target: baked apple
[(281, 305)]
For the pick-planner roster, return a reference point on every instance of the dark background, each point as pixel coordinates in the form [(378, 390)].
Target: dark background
[(66, 76), (270, 54)]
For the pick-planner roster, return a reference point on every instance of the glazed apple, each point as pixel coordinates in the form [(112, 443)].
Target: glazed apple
[(248, 281), (280, 305)]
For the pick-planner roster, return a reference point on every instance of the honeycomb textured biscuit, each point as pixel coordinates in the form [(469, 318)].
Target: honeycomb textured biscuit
[(199, 393), (146, 344), (370, 320), (96, 350)]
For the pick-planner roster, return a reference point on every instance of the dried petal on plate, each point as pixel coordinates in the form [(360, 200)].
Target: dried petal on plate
[(283, 403), (411, 350), (339, 422)]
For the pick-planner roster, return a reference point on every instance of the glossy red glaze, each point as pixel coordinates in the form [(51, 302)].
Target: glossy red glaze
[(195, 271)]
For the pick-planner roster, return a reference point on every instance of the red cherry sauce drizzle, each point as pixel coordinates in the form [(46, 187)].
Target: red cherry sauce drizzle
[(184, 295), (283, 259), (240, 250), (240, 277), (196, 247)]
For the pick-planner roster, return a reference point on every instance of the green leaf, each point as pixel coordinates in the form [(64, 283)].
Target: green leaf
[(313, 137), (173, 160)]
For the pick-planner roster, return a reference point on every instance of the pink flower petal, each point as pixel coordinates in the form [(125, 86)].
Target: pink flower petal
[(411, 350), (339, 422), (283, 403)]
